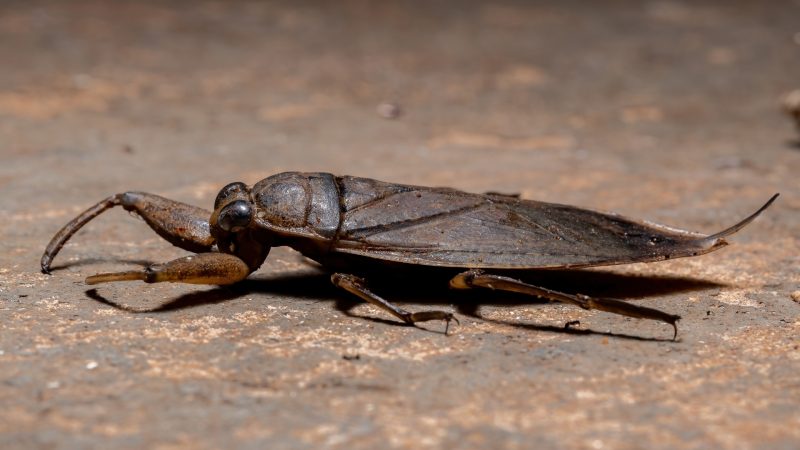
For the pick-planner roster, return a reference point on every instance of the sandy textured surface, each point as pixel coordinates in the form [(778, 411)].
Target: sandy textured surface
[(657, 110)]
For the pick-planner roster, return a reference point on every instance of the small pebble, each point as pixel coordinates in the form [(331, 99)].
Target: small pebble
[(53, 385), (92, 365), (791, 104), (389, 110), (796, 296)]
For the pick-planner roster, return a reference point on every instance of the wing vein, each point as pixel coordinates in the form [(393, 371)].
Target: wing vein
[(362, 232)]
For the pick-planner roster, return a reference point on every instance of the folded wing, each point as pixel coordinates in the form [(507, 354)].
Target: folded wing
[(443, 227)]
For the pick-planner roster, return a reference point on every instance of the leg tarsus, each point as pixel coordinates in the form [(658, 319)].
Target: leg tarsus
[(477, 278), (72, 227), (424, 316), (358, 287), (204, 268)]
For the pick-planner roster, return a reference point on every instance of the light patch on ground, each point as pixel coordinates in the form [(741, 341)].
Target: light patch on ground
[(520, 76), (294, 111), (177, 369), (110, 312), (180, 333), (52, 303), (739, 297), (472, 139), (115, 429), (642, 114), (253, 428), (339, 368), (418, 433), (39, 215), (69, 95), (772, 341)]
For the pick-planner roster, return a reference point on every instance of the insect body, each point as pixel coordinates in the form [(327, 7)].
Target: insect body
[(348, 224)]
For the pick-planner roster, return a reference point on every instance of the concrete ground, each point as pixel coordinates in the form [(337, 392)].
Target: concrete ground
[(663, 110)]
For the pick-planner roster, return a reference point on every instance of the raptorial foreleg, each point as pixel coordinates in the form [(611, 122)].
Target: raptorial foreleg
[(182, 225)]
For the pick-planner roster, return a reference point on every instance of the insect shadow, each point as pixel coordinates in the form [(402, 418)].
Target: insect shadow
[(430, 288)]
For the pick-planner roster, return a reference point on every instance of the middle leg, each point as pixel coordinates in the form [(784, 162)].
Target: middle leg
[(358, 286)]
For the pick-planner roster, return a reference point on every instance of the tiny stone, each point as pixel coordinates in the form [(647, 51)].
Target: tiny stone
[(795, 297), (791, 101), (92, 365), (791, 104), (53, 385), (389, 110)]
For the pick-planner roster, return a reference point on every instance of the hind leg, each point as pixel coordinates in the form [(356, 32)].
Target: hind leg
[(477, 278)]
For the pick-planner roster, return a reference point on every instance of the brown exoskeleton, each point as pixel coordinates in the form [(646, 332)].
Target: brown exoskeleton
[(348, 223)]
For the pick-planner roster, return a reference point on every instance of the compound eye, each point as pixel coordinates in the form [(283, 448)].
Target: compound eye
[(229, 190), (236, 216)]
